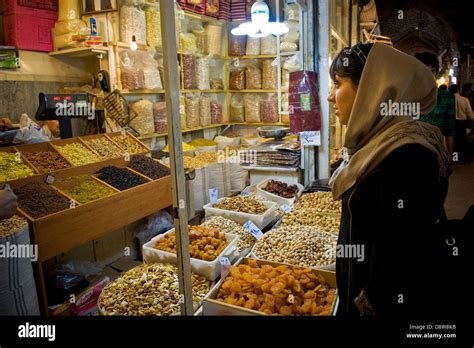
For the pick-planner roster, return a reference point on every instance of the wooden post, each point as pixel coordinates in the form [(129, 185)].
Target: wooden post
[(168, 30)]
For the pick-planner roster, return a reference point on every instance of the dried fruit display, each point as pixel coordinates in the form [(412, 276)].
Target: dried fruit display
[(241, 204), (120, 178), (148, 167), (281, 189), (46, 161), (13, 168), (280, 290), (320, 201), (246, 239), (38, 200), (204, 243), (311, 217)]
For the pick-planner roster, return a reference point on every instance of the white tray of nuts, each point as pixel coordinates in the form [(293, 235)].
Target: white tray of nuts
[(222, 245), (302, 246), (278, 198), (242, 209)]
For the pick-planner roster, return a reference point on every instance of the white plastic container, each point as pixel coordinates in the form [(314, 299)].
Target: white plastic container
[(275, 198), (209, 269), (261, 221)]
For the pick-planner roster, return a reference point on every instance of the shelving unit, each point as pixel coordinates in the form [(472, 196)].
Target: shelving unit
[(80, 52), (143, 91), (254, 91)]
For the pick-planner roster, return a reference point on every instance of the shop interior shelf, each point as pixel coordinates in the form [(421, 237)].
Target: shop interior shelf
[(144, 91), (80, 52), (204, 91), (187, 130), (262, 56), (254, 91)]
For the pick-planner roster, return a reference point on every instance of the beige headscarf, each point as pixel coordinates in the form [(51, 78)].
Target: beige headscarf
[(388, 75)]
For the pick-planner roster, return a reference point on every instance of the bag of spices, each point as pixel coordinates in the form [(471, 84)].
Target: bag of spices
[(203, 73), (188, 42), (132, 78), (252, 108), (214, 39), (160, 116), (182, 111), (268, 45), (237, 80), (132, 23), (201, 38), (151, 74), (153, 26)]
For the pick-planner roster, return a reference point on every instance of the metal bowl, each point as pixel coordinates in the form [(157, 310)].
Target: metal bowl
[(273, 132)]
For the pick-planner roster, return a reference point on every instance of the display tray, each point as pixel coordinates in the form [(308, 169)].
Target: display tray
[(275, 198), (112, 137), (209, 269), (261, 221), (39, 147), (84, 139), (13, 150), (63, 231), (211, 306)]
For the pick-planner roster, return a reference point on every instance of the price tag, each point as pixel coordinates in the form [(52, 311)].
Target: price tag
[(225, 266), (72, 204), (236, 62), (50, 179), (250, 226), (310, 138), (245, 193), (127, 157), (18, 157), (286, 208), (213, 195)]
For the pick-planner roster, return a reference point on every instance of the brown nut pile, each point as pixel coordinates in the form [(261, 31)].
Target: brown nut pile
[(204, 243), (280, 290), (46, 161), (12, 225), (281, 189), (104, 147), (242, 204), (246, 239), (297, 245), (149, 290), (321, 202), (311, 217), (128, 145)]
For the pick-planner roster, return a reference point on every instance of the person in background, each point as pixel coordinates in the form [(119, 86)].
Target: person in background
[(8, 203), (389, 182), (445, 87), (464, 120), (466, 92)]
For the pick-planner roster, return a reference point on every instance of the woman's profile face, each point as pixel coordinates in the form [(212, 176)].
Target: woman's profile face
[(343, 96)]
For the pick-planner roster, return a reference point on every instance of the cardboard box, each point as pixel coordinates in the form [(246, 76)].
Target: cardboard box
[(39, 8), (28, 32), (213, 307)]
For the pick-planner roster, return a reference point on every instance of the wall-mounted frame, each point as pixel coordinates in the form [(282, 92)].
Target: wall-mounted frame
[(98, 6)]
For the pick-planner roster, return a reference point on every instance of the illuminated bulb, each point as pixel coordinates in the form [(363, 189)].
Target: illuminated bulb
[(442, 80), (134, 45)]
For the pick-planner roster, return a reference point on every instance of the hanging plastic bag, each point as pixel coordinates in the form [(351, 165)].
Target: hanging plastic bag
[(293, 63), (252, 108)]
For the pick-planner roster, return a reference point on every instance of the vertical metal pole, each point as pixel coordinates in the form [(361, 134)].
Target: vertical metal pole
[(168, 29)]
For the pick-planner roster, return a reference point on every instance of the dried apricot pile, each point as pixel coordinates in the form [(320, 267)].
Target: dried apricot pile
[(280, 290), (204, 243)]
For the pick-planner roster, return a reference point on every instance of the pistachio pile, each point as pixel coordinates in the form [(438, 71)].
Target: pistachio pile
[(11, 226), (321, 202), (310, 217), (149, 290), (13, 168), (104, 147), (77, 154), (242, 204), (246, 239), (297, 245)]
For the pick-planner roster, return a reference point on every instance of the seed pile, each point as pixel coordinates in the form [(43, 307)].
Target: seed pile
[(104, 147), (148, 167), (77, 154), (246, 239), (320, 201), (149, 290), (120, 178), (242, 204), (128, 144), (38, 200), (47, 161), (297, 245), (281, 189), (310, 217), (88, 191), (12, 225), (13, 169)]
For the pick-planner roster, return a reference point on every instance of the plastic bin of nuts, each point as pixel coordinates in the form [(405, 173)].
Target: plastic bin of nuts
[(209, 269), (261, 220), (275, 197)]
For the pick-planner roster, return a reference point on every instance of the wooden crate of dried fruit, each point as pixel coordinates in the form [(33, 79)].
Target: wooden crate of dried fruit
[(213, 306)]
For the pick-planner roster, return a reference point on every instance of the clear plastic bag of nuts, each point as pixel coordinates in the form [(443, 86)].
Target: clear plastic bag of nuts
[(205, 110), (252, 108), (189, 71), (192, 111), (269, 110), (237, 80), (237, 45), (253, 77), (269, 74), (217, 114)]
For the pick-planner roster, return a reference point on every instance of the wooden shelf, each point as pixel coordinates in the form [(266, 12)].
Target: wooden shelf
[(80, 52), (186, 130), (203, 91), (144, 91), (262, 56), (201, 17), (214, 56), (254, 91), (127, 46), (257, 124), (286, 54)]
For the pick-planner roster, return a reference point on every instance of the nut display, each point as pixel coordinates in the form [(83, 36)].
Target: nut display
[(104, 147), (11, 226), (281, 189), (280, 290), (120, 178), (38, 200), (241, 204), (128, 144), (88, 191), (193, 162), (186, 148), (297, 245), (246, 239), (46, 161), (77, 154), (202, 143), (311, 217), (13, 168), (149, 290), (204, 243), (148, 167), (320, 201)]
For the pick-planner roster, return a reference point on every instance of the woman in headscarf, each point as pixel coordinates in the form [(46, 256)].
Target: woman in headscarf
[(389, 181)]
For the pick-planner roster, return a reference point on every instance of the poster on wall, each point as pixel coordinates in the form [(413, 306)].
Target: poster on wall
[(95, 6)]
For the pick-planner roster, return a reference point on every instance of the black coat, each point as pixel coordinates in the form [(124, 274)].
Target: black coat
[(391, 214)]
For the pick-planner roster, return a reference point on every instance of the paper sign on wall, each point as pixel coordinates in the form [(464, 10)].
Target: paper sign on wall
[(310, 138)]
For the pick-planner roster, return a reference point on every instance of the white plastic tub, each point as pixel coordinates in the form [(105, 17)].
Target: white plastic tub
[(209, 269), (261, 221), (275, 198)]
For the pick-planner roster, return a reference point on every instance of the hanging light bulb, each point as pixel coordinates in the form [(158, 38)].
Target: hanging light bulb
[(133, 44), (260, 25)]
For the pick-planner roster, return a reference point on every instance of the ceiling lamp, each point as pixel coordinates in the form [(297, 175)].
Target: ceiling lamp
[(260, 25)]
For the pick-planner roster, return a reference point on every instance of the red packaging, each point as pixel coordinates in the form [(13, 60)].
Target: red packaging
[(28, 32), (40, 8), (304, 108)]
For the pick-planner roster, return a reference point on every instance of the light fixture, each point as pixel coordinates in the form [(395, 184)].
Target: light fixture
[(260, 25), (133, 44), (442, 80)]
